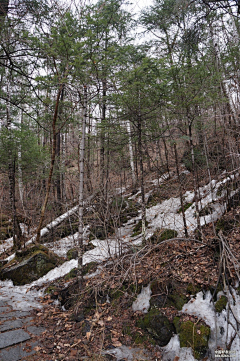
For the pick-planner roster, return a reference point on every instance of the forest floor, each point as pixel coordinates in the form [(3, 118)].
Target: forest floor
[(91, 324), (181, 262)]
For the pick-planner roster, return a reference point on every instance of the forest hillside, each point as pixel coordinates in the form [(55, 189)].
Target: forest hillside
[(119, 173)]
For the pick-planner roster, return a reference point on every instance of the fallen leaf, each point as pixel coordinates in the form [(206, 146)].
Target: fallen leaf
[(37, 348), (116, 343), (88, 334)]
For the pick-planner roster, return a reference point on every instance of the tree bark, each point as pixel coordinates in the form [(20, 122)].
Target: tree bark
[(131, 155), (180, 192), (81, 185), (140, 154)]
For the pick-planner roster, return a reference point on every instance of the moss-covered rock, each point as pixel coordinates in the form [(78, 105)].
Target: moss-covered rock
[(162, 234), (158, 326), (34, 263), (71, 274), (221, 304), (193, 289), (90, 267), (194, 335), (72, 254)]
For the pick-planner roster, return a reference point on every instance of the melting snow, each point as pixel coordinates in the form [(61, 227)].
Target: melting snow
[(221, 331), (142, 302), (173, 350), (127, 353)]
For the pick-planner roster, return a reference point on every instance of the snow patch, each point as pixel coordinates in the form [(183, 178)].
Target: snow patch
[(173, 350), (142, 302), (127, 353)]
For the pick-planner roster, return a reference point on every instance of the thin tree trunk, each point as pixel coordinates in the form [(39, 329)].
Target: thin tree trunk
[(17, 233), (58, 155), (166, 155), (81, 184), (131, 154), (180, 192), (140, 154), (195, 182)]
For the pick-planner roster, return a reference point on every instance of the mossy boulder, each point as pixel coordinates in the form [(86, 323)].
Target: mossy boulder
[(221, 304), (194, 335), (34, 263), (162, 234), (72, 254), (158, 326), (72, 274), (193, 289), (89, 267)]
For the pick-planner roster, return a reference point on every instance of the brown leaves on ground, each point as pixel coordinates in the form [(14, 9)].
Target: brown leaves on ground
[(184, 261)]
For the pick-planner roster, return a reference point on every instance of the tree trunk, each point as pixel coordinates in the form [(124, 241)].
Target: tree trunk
[(180, 192), (58, 156), (140, 154), (17, 234), (131, 154), (81, 184), (199, 233)]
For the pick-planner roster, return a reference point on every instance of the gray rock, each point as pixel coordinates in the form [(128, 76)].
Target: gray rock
[(15, 314), (10, 325), (10, 338), (36, 331), (35, 266), (17, 352)]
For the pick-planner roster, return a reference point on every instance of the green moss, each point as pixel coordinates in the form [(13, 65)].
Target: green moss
[(138, 228), (26, 253), (71, 274), (195, 336), (185, 207), (193, 289), (140, 338), (89, 267), (221, 304), (36, 263), (72, 254), (176, 322), (50, 289), (177, 301), (158, 326), (161, 235)]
